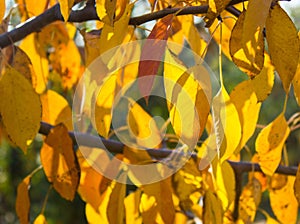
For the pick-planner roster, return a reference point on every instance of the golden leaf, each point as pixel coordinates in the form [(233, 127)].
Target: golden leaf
[(284, 203), (91, 46), (157, 203), (106, 10), (225, 182), (143, 127), (245, 101), (269, 143), (247, 52), (132, 202), (297, 185), (66, 7), (23, 201), (188, 98), (40, 219), (39, 63), (90, 180), (213, 212), (261, 177), (264, 81), (2, 9), (113, 35), (249, 201), (20, 107), (283, 44), (60, 163), (215, 7), (30, 8), (56, 109), (227, 123), (296, 80)]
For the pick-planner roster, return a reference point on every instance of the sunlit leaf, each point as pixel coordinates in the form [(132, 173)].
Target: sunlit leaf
[(247, 52), (106, 10), (2, 9), (90, 179), (23, 201), (65, 8), (188, 98), (296, 80), (261, 177), (228, 127), (91, 45), (40, 64), (153, 50), (143, 127), (56, 109), (156, 203), (264, 81), (40, 219), (60, 162), (215, 7), (69, 68), (30, 8), (283, 44), (113, 35), (213, 212), (284, 203), (269, 143), (132, 202), (249, 201), (225, 183), (19, 107), (247, 106)]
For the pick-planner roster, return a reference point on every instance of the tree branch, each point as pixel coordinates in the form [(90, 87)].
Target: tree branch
[(117, 147), (88, 13)]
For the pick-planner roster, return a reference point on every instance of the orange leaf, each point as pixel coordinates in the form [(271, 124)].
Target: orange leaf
[(22, 201), (153, 49), (60, 163)]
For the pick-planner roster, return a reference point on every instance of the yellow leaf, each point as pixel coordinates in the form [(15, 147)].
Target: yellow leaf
[(132, 202), (296, 80), (278, 181), (213, 212), (249, 201), (192, 35), (143, 127), (20, 107), (187, 181), (264, 81), (269, 220), (269, 143), (30, 8), (60, 163), (40, 219), (116, 204), (56, 109), (21, 62), (225, 182), (261, 177), (104, 103), (247, 52), (23, 201), (283, 44), (247, 106), (112, 36), (90, 180), (65, 8), (215, 7), (106, 11), (69, 68), (40, 64), (2, 9), (91, 46), (228, 124), (284, 203), (188, 98), (156, 203), (297, 185)]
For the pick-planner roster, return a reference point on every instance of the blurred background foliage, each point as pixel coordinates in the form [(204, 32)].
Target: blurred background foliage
[(15, 165)]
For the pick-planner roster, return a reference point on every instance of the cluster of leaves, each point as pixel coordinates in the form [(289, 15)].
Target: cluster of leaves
[(37, 74)]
